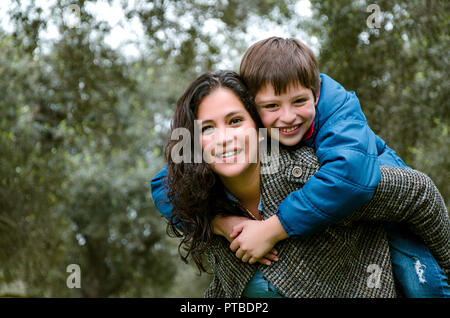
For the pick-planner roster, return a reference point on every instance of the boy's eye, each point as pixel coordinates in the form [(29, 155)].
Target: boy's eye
[(300, 101), (270, 106)]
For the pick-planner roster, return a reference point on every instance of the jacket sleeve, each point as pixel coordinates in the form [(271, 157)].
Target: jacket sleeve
[(348, 176), (408, 196), (159, 193)]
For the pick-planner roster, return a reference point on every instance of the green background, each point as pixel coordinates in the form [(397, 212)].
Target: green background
[(83, 123)]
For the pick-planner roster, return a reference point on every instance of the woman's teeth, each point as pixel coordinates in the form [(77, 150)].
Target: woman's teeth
[(286, 130), (229, 153)]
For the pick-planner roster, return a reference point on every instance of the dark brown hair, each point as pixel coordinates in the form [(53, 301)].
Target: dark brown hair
[(196, 193), (279, 62)]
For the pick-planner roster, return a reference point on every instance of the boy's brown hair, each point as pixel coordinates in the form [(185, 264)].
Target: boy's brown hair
[(280, 62)]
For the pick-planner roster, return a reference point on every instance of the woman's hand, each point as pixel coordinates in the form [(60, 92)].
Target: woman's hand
[(254, 240), (231, 226)]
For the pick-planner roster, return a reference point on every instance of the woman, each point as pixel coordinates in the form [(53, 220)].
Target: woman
[(331, 264)]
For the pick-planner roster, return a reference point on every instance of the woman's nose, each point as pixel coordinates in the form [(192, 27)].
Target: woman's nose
[(223, 136)]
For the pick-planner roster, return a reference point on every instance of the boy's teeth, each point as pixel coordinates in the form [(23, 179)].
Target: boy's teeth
[(289, 129)]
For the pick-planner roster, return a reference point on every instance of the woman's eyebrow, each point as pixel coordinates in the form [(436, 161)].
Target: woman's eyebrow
[(207, 121), (231, 114)]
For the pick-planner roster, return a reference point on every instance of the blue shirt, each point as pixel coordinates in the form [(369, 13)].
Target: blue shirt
[(350, 155)]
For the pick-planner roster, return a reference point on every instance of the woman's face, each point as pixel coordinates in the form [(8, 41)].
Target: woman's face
[(228, 133)]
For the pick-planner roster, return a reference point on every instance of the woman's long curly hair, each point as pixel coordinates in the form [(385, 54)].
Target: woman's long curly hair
[(196, 193)]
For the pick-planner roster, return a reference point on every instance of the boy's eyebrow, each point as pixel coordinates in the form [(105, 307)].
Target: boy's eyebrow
[(263, 101), (302, 95), (271, 100)]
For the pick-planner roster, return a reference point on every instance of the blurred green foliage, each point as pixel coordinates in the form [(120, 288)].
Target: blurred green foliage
[(399, 72), (82, 126)]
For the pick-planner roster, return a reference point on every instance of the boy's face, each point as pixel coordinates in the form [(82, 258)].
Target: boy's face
[(292, 112)]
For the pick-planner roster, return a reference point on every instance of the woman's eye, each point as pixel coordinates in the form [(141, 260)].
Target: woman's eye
[(235, 121), (206, 128)]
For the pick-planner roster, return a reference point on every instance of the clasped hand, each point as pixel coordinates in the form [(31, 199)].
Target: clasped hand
[(253, 242)]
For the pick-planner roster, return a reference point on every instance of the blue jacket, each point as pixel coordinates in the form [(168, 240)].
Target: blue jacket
[(350, 155)]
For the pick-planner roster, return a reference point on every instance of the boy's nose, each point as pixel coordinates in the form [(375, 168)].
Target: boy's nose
[(287, 115)]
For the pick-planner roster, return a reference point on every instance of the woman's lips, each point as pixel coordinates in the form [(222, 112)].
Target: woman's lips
[(291, 130), (229, 156)]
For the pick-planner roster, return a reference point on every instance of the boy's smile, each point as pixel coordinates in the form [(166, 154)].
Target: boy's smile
[(288, 131), (292, 112)]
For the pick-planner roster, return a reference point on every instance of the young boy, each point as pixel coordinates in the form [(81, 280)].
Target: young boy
[(312, 109)]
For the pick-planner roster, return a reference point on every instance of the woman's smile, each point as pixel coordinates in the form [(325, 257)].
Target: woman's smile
[(230, 155), (226, 126)]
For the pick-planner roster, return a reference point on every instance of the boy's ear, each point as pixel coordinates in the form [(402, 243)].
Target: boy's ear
[(318, 92)]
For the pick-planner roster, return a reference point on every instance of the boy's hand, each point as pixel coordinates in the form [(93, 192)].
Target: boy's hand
[(255, 239), (227, 226), (223, 225)]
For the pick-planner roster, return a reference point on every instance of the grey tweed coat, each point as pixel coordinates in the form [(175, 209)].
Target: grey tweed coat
[(348, 259)]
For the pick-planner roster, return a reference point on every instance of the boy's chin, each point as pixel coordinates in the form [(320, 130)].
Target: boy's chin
[(290, 141)]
